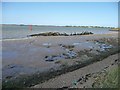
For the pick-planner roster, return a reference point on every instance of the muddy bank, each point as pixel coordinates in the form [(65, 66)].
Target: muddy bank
[(84, 77)]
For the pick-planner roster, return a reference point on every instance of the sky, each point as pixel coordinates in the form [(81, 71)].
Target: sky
[(61, 13)]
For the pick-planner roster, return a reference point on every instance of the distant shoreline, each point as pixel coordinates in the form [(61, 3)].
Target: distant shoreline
[(62, 26)]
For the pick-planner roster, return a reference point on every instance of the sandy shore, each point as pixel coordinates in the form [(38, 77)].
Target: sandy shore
[(27, 56)]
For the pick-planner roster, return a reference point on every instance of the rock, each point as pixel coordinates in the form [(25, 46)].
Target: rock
[(79, 79), (88, 75), (9, 77), (75, 82), (65, 87), (46, 56), (49, 58), (81, 83), (84, 57), (106, 67), (112, 64), (11, 66), (94, 52), (116, 60), (86, 78)]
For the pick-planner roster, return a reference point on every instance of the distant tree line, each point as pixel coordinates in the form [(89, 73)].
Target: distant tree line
[(89, 26), (61, 26)]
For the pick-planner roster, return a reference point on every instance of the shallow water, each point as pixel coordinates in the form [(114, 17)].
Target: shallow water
[(9, 54), (17, 31)]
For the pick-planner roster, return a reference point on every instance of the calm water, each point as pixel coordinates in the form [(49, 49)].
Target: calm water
[(16, 31)]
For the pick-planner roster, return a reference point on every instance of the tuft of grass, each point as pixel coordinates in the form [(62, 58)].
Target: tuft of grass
[(110, 80)]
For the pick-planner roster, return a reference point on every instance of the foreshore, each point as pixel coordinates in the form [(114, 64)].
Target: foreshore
[(9, 39), (26, 57), (84, 77)]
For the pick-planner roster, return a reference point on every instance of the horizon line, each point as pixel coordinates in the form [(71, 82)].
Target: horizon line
[(60, 25)]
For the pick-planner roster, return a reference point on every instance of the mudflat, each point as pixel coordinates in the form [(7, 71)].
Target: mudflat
[(44, 53)]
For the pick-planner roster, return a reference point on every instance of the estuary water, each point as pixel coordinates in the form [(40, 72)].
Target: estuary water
[(21, 31)]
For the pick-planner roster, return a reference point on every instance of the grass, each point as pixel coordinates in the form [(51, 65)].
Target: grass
[(108, 81)]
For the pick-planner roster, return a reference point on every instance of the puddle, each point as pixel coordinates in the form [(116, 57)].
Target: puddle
[(68, 55), (47, 44), (76, 44), (103, 47), (71, 54)]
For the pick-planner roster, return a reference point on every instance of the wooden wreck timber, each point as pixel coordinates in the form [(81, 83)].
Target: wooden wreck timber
[(59, 34)]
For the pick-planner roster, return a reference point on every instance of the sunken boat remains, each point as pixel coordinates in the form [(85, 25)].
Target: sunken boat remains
[(59, 34)]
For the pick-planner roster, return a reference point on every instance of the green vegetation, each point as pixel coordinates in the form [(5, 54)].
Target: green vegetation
[(110, 80), (89, 26)]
